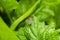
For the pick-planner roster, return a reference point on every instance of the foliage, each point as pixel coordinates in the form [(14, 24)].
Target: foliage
[(29, 19)]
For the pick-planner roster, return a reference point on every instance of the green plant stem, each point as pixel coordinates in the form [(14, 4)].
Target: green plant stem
[(25, 15)]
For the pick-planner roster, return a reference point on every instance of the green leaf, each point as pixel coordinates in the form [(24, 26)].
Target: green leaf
[(43, 24), (37, 30), (39, 19), (5, 32), (8, 6)]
